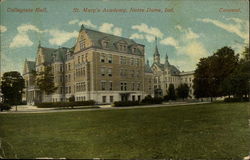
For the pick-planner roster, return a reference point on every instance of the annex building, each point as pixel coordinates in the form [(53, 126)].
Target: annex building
[(101, 67)]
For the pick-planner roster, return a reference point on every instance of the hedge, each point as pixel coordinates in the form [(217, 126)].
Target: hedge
[(64, 104), (4, 106), (126, 103)]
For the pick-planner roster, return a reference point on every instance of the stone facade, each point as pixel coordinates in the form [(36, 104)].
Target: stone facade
[(100, 67)]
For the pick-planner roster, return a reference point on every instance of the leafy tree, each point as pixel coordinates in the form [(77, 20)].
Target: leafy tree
[(45, 81), (212, 72), (182, 91), (12, 86), (171, 92)]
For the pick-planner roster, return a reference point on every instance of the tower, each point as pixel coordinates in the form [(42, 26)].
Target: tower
[(156, 53), (166, 60)]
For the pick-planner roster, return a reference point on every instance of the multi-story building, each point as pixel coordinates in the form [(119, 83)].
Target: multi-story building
[(100, 67), (166, 74)]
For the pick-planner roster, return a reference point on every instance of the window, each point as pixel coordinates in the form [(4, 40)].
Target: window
[(132, 61), (82, 43), (69, 66), (69, 78), (110, 58), (104, 99), (111, 99), (125, 86), (69, 89), (84, 86), (133, 86), (66, 78), (134, 50), (103, 71), (110, 86), (139, 98), (121, 86), (78, 59), (102, 58), (105, 44), (137, 62), (133, 98), (121, 72), (82, 58), (122, 60), (138, 86), (132, 73), (61, 67), (110, 72), (103, 84)]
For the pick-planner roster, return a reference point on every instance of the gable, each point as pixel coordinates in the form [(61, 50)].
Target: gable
[(83, 41)]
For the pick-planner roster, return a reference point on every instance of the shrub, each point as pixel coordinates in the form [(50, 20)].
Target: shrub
[(64, 104), (236, 99), (126, 103), (4, 106), (149, 100)]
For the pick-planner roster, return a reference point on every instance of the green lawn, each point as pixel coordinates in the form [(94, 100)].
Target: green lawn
[(209, 131)]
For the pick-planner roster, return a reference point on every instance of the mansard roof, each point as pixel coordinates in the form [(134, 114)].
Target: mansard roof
[(56, 54), (96, 37), (172, 68)]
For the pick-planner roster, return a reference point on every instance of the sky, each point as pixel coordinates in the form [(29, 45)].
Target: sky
[(188, 31)]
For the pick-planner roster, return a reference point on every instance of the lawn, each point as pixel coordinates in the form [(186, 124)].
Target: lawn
[(208, 131)]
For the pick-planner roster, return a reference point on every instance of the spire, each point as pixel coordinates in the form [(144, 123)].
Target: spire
[(166, 60), (156, 53), (39, 44), (82, 27)]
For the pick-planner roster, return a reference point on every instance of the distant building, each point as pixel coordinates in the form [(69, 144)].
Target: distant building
[(100, 67), (166, 74)]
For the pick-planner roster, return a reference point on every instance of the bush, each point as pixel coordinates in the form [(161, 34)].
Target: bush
[(236, 99), (149, 100), (126, 103), (64, 104), (4, 106)]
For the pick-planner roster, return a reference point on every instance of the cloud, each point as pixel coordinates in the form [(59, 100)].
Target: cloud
[(189, 34), (143, 28), (87, 23), (22, 39), (194, 49), (170, 41), (3, 29), (60, 37), (240, 27), (178, 27), (136, 36), (109, 28)]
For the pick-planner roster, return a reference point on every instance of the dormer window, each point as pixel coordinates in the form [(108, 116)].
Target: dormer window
[(105, 44), (134, 50), (82, 43)]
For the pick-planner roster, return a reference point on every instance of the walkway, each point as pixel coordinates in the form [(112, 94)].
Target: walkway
[(34, 109)]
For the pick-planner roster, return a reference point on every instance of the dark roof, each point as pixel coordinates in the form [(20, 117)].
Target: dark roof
[(49, 53), (156, 53), (147, 69), (172, 68), (96, 37)]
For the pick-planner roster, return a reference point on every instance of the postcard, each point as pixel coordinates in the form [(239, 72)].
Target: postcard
[(113, 79)]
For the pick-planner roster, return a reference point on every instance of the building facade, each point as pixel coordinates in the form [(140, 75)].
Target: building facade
[(100, 67)]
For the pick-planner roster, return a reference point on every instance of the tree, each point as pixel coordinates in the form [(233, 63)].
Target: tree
[(211, 73), (182, 91), (171, 92), (45, 81), (12, 86)]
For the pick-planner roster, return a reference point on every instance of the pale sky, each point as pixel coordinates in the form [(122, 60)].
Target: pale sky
[(195, 28)]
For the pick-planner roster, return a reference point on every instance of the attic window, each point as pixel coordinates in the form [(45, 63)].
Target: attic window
[(82, 43), (105, 44), (122, 47), (133, 50)]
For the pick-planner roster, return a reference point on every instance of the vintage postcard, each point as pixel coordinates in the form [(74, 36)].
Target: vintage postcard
[(114, 79)]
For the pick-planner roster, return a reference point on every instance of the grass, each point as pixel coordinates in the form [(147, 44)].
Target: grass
[(207, 131)]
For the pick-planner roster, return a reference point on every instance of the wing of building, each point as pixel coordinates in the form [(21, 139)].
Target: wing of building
[(100, 67)]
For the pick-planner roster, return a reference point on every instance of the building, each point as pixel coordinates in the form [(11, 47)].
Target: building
[(166, 74), (100, 67)]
